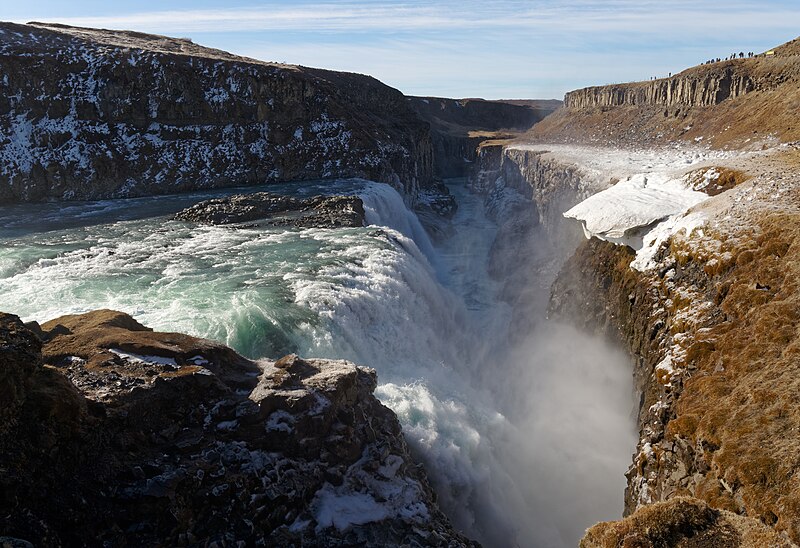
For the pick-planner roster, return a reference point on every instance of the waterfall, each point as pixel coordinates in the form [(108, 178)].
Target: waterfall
[(521, 443)]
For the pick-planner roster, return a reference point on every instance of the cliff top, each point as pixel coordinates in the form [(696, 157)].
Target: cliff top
[(46, 32), (743, 103), (775, 69)]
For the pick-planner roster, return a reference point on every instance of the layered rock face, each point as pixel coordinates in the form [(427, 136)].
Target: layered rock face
[(92, 114), (458, 126), (737, 103), (691, 90), (118, 434), (526, 192)]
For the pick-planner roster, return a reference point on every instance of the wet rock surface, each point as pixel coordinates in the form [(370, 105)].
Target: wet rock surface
[(277, 210), (458, 126), (116, 434)]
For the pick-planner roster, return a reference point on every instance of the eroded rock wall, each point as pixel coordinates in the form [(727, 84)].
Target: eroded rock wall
[(458, 126), (90, 114), (525, 193), (693, 90), (713, 331)]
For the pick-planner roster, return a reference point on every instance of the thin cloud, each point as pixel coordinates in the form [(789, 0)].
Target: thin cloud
[(504, 48), (578, 16)]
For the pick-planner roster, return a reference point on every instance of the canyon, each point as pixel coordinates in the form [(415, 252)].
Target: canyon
[(175, 438)]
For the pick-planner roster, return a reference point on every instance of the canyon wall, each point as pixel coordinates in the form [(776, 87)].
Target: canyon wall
[(736, 103), (713, 336), (526, 191), (458, 126), (705, 89), (711, 332), (90, 114)]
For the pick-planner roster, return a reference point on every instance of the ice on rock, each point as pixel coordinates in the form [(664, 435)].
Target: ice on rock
[(641, 212)]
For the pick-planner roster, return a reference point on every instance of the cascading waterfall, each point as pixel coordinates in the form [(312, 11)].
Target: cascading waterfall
[(524, 445)]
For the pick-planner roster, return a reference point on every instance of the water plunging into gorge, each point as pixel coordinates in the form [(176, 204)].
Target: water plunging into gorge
[(525, 437)]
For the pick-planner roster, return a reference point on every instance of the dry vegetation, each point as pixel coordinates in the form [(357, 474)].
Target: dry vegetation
[(742, 400), (682, 523), (769, 112), (724, 310)]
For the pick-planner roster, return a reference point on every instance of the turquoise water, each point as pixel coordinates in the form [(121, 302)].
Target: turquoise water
[(263, 291), (426, 317)]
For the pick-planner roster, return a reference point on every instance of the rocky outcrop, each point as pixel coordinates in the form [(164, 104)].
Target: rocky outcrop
[(709, 329), (739, 103), (526, 192), (277, 210), (118, 434), (693, 89), (458, 126), (90, 114), (550, 185)]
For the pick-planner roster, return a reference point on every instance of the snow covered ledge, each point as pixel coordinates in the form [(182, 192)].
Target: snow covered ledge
[(641, 212)]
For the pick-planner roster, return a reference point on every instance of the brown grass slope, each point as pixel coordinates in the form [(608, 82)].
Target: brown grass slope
[(685, 523), (733, 421), (730, 104), (742, 401)]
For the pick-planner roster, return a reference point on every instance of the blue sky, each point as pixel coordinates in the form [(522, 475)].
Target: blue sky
[(491, 48)]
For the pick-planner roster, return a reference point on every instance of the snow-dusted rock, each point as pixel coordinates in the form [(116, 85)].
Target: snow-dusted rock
[(117, 433), (89, 114)]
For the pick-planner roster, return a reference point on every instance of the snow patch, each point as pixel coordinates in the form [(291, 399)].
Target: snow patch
[(157, 360), (280, 421), (642, 212)]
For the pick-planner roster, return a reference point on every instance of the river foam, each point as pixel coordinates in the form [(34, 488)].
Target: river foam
[(522, 443)]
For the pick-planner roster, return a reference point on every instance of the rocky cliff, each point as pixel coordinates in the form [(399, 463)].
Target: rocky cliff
[(713, 334), (733, 103), (458, 126), (94, 114), (692, 89), (526, 191), (710, 320), (709, 326), (114, 434)]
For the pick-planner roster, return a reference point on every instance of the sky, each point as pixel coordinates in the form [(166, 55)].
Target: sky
[(495, 49)]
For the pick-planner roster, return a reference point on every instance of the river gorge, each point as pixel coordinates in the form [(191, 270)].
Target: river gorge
[(495, 418)]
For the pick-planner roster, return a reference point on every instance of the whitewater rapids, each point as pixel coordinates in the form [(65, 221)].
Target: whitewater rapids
[(526, 445)]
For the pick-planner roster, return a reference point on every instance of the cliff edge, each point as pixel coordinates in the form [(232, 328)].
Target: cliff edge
[(90, 114), (738, 103), (688, 196)]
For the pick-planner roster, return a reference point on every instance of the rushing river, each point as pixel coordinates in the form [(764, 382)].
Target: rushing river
[(526, 446)]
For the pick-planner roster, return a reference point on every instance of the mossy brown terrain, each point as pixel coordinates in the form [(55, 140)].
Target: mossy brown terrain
[(684, 523), (731, 104), (721, 422)]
